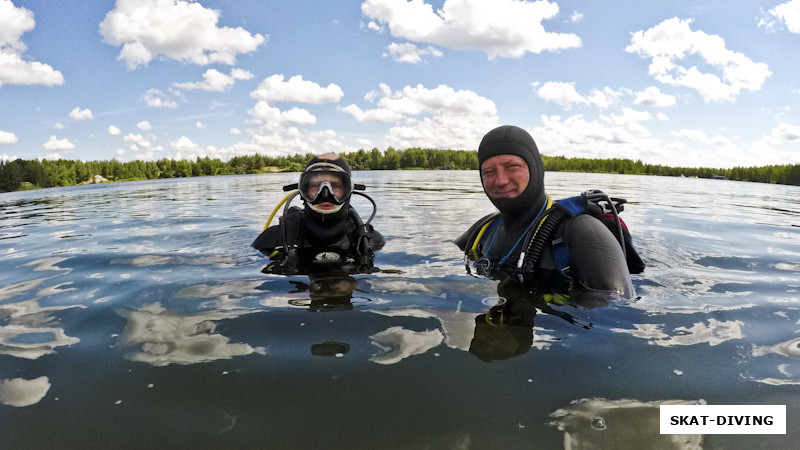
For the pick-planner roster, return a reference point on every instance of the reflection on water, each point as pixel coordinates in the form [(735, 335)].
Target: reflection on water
[(137, 313), (713, 333), (21, 392), (159, 337), (601, 423)]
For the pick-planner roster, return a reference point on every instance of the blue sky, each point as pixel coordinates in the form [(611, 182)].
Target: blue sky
[(710, 84)]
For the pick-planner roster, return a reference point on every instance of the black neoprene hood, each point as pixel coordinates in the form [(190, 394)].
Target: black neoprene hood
[(325, 229), (338, 162), (511, 140)]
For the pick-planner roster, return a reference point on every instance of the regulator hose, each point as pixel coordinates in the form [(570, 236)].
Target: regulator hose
[(533, 252), (374, 207)]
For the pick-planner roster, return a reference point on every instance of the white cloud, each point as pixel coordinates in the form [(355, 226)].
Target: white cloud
[(55, 144), (273, 117), (609, 137), (291, 140), (672, 42), (14, 68), (59, 126), (626, 136), (565, 95), (700, 136), (785, 132), (158, 99), (433, 118), (114, 131), (410, 53), (144, 125), (184, 144), (629, 117), (505, 28), (298, 116), (575, 17), (652, 96), (766, 20), (277, 133), (7, 137), (200, 125), (177, 29), (216, 81), (81, 114), (275, 89), (789, 14), (138, 141)]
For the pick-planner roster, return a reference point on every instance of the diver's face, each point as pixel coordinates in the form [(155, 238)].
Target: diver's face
[(336, 182), (504, 176)]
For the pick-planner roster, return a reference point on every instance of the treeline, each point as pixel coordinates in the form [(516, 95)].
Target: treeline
[(30, 174), (783, 174)]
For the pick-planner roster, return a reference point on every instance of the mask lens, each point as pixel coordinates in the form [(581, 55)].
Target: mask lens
[(325, 185)]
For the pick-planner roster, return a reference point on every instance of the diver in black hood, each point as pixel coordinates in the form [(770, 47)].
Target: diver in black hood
[(327, 235), (567, 242)]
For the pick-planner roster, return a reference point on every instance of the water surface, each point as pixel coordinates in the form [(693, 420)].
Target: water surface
[(134, 315)]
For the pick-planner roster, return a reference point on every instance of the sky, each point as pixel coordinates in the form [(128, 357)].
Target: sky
[(679, 83)]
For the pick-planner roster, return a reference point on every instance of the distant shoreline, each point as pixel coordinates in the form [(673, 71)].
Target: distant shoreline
[(33, 174)]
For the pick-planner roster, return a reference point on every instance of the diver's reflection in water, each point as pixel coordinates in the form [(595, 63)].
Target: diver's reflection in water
[(328, 292), (506, 330)]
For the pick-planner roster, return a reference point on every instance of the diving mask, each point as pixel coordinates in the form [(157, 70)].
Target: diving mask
[(325, 187)]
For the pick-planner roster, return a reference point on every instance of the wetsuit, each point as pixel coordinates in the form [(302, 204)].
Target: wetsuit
[(337, 252)]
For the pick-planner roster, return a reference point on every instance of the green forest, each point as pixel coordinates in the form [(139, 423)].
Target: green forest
[(32, 174)]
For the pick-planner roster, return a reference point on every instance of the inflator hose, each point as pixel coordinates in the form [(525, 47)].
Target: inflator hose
[(533, 252)]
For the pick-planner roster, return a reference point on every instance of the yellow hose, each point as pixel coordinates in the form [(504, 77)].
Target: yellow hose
[(278, 207)]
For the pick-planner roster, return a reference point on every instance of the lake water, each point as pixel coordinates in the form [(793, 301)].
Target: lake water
[(134, 315)]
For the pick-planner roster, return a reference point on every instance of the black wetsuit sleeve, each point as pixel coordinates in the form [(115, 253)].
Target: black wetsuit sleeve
[(268, 240), (468, 237), (377, 241), (272, 237), (596, 258)]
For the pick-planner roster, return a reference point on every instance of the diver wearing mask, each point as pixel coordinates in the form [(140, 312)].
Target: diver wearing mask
[(561, 243), (327, 234)]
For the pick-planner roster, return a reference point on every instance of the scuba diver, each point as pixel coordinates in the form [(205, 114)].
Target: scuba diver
[(576, 242), (327, 235)]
